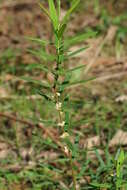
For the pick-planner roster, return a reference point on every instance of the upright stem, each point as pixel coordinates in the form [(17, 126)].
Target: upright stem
[(57, 94), (58, 63), (73, 172)]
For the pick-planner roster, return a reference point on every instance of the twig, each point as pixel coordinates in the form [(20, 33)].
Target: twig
[(110, 76), (96, 55), (13, 97), (14, 118), (108, 37)]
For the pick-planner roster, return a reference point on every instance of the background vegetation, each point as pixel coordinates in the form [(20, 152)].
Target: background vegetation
[(30, 157)]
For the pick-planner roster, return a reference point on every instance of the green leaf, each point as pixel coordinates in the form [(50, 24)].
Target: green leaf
[(63, 86), (65, 72), (76, 68), (69, 12), (105, 185), (77, 51), (53, 14), (78, 38), (75, 152), (66, 82), (37, 66), (41, 93), (120, 160), (58, 8), (118, 19), (44, 9), (61, 30), (67, 121), (37, 40), (29, 79), (99, 158), (83, 169), (43, 55)]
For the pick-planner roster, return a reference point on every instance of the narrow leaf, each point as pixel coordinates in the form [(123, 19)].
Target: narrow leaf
[(44, 9), (76, 68), (78, 38), (37, 66), (43, 55), (99, 158), (37, 40), (105, 185), (29, 79), (63, 86), (58, 8), (83, 169), (67, 121), (61, 30), (44, 95), (120, 162), (53, 14), (69, 12), (77, 51)]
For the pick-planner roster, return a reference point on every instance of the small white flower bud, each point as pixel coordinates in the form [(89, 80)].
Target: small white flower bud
[(58, 105), (58, 94), (64, 135), (61, 124), (66, 150)]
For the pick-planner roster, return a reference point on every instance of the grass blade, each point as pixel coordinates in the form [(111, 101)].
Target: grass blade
[(99, 158), (105, 185), (83, 169)]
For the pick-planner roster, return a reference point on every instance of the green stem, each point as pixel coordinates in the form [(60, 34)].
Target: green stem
[(56, 78), (73, 172), (58, 63)]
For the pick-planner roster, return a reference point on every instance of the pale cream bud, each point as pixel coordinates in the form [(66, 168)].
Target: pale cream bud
[(58, 105), (64, 135), (61, 124), (66, 150), (58, 94)]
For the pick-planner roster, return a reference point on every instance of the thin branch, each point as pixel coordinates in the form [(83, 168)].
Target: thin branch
[(111, 76), (108, 37), (14, 118), (92, 62)]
